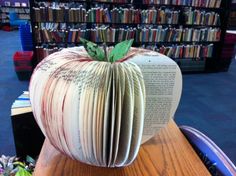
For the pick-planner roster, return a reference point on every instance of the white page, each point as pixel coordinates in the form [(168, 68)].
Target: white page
[(71, 110), (44, 70), (93, 91), (95, 104), (127, 118), (57, 103), (119, 95), (112, 116), (106, 116), (86, 113), (163, 82), (139, 107), (101, 102)]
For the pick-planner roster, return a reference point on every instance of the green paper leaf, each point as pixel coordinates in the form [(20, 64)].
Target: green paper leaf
[(120, 50), (22, 172), (94, 51)]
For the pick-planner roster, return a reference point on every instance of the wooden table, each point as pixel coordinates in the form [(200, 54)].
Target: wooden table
[(168, 153)]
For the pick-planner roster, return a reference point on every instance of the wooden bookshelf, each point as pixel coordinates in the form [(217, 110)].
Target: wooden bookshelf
[(210, 63)]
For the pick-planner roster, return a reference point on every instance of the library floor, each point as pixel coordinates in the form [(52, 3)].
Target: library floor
[(208, 101)]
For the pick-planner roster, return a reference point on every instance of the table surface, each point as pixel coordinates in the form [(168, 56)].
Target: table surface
[(167, 153)]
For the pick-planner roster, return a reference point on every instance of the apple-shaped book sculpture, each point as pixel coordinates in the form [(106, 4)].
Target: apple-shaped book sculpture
[(99, 105)]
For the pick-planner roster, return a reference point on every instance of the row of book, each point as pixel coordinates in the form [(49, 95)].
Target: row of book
[(104, 15), (125, 15), (201, 35), (174, 51), (107, 34), (63, 26), (42, 52), (116, 1), (158, 34), (186, 51), (194, 3), (17, 10), (24, 16), (198, 17), (177, 35)]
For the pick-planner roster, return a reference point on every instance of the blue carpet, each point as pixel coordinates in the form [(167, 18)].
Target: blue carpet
[(10, 88), (207, 104)]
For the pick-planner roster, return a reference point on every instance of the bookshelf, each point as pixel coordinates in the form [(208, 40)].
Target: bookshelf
[(22, 12), (191, 34)]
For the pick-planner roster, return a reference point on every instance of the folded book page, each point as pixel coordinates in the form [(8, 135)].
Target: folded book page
[(101, 112)]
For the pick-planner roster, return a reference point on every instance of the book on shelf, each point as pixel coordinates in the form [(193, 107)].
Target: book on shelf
[(44, 51), (194, 3), (158, 2), (201, 17), (201, 35), (50, 34), (194, 51), (116, 1), (105, 15), (181, 28), (125, 15), (184, 51)]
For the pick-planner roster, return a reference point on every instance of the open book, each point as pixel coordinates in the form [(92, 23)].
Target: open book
[(101, 112)]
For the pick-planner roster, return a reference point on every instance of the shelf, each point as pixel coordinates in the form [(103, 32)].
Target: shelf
[(150, 43), (139, 4), (135, 24)]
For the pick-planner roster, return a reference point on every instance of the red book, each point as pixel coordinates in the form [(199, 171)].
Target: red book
[(218, 33), (97, 15), (162, 49), (78, 37), (177, 2), (150, 16), (181, 52), (139, 16), (154, 35), (57, 37)]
